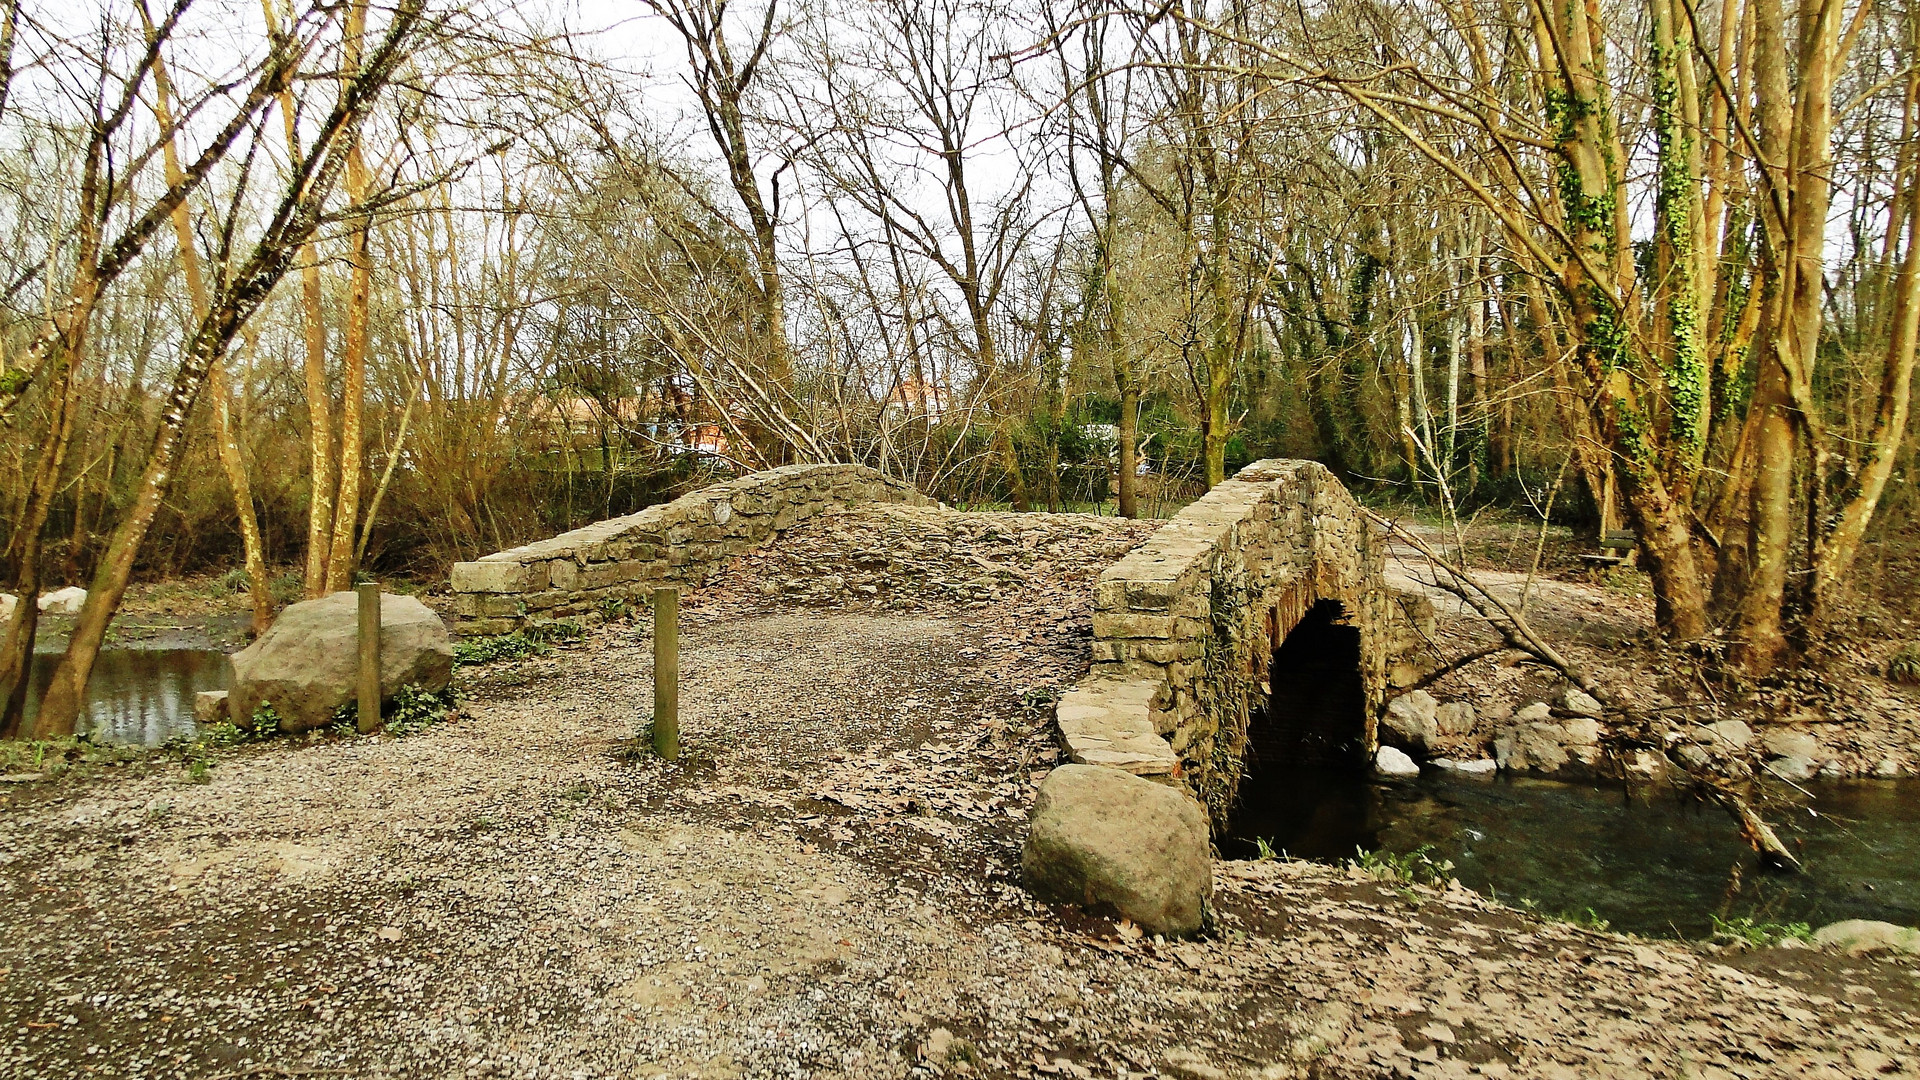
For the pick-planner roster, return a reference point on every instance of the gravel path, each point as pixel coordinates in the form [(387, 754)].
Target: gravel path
[(824, 886)]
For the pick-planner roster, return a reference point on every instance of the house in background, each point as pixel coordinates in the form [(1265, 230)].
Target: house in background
[(913, 399)]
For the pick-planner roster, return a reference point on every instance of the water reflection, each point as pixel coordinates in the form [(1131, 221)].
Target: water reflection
[(140, 697), (1661, 866)]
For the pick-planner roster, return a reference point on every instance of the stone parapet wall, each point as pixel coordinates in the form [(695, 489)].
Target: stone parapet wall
[(676, 543), (1185, 626)]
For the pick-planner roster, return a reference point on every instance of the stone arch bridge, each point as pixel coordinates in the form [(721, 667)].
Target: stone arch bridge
[(1187, 627)]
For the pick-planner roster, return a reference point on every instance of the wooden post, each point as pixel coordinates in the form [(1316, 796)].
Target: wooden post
[(369, 594), (666, 673)]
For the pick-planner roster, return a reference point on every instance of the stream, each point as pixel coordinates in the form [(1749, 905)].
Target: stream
[(1660, 868), (138, 697)]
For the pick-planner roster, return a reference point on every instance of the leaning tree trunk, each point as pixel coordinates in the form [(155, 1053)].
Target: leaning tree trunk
[(291, 226), (1837, 550), (60, 710), (16, 656)]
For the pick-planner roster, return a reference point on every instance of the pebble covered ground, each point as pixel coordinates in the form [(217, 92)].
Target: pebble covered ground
[(825, 885)]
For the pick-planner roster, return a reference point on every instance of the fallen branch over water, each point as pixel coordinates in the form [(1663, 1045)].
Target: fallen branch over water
[(1519, 635)]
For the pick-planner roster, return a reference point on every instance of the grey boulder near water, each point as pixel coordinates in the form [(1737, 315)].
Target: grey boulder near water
[(1412, 721), (67, 601), (306, 664), (1102, 836), (1390, 762), (1856, 936)]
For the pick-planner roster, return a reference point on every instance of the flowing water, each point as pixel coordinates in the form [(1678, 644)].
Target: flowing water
[(138, 697), (1659, 867)]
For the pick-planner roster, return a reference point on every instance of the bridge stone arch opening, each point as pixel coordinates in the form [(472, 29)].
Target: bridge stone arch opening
[(1316, 712), (1306, 748)]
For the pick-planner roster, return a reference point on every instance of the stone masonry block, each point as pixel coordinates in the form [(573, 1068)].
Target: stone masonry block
[(543, 600), (1151, 595), (1165, 652), (1117, 624), (494, 606), (489, 577)]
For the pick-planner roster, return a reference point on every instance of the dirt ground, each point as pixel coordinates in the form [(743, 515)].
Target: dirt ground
[(825, 885)]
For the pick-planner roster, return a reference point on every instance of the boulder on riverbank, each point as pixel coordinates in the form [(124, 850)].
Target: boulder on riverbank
[(67, 601), (209, 706), (1104, 837), (1412, 722), (307, 663), (1391, 763), (1857, 936)]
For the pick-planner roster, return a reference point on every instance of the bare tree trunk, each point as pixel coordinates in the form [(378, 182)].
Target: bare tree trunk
[(259, 587), (1129, 480), (1795, 126), (353, 355), (386, 475), (1835, 554), (16, 657), (319, 400)]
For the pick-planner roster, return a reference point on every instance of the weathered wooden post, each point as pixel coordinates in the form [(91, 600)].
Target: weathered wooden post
[(666, 673), (369, 594)]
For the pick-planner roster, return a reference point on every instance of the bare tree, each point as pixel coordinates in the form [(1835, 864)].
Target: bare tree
[(241, 286)]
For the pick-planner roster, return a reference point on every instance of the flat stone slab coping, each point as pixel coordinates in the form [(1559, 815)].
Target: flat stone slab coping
[(1113, 723)]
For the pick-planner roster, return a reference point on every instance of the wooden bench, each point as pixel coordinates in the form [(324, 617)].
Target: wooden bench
[(1616, 548)]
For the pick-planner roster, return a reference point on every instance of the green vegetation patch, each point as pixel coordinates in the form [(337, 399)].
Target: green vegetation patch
[(54, 757), (534, 639), (1759, 935), (1416, 867), (1904, 665)]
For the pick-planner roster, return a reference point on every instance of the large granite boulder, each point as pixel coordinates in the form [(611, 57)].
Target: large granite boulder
[(1104, 837), (307, 663), (1412, 722)]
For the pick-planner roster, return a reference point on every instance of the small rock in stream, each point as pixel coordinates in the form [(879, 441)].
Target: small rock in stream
[(1394, 763), (1791, 768)]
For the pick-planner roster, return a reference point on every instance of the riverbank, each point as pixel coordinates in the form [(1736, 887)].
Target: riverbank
[(822, 886), (1840, 716)]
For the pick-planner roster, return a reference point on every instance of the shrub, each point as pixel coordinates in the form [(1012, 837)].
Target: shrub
[(1904, 666)]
